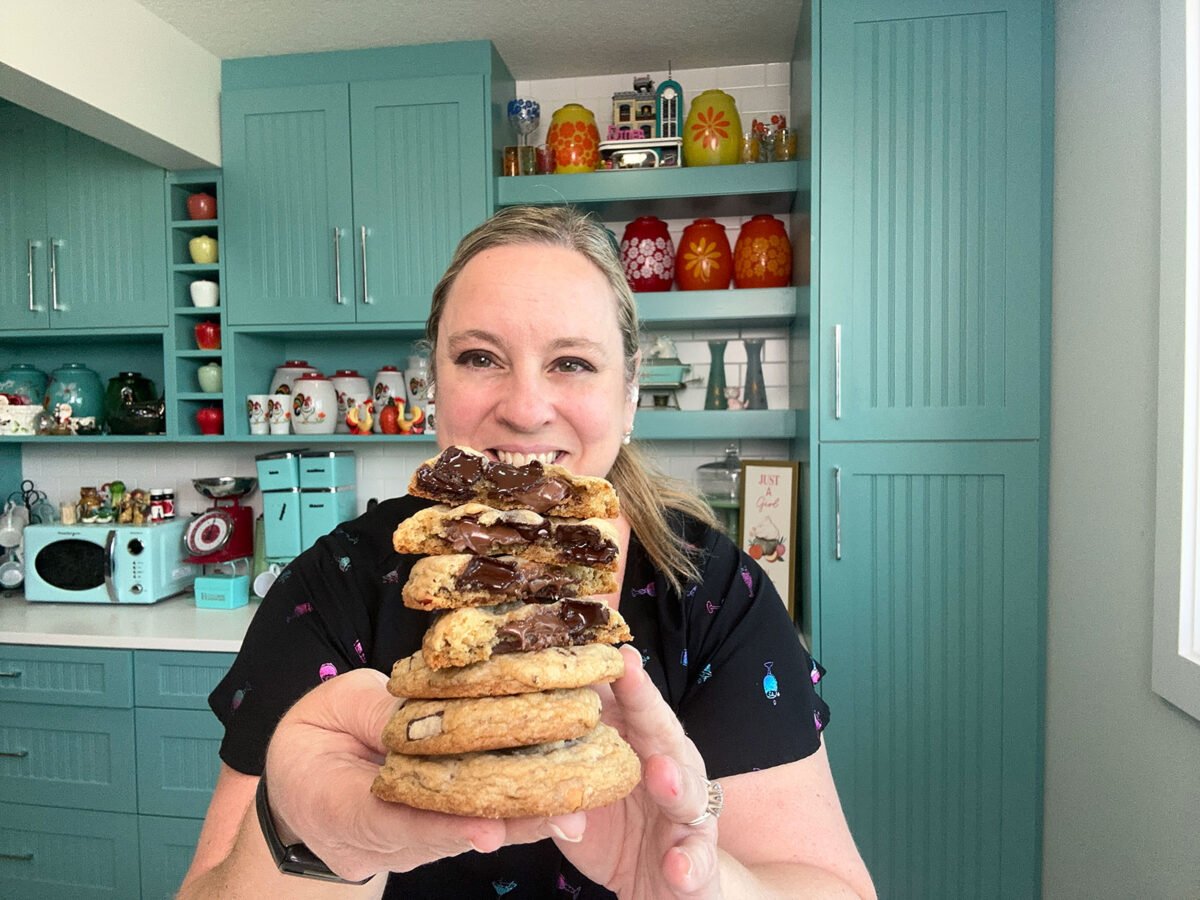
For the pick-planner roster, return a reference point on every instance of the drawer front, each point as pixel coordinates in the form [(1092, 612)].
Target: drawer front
[(69, 676), (167, 848), (67, 854), (177, 761), (67, 756), (177, 680)]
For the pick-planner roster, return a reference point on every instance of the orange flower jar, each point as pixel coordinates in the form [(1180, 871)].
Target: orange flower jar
[(712, 133), (575, 139), (762, 256), (703, 261)]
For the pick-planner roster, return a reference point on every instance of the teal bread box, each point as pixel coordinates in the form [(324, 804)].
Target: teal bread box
[(323, 509), (281, 523), (327, 469), (278, 471), (222, 591)]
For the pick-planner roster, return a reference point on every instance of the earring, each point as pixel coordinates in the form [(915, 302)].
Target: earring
[(627, 436)]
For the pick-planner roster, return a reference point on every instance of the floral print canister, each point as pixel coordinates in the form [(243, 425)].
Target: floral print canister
[(575, 139), (704, 261), (648, 254), (762, 257), (75, 392), (712, 133)]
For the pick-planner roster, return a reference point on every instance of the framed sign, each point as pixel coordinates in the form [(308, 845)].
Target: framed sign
[(769, 523)]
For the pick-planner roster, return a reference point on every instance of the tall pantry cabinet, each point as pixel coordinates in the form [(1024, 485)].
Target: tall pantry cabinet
[(932, 153)]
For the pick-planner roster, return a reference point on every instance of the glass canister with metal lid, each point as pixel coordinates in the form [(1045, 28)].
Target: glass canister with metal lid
[(719, 482)]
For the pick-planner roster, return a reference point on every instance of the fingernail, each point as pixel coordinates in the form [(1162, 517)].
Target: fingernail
[(563, 836)]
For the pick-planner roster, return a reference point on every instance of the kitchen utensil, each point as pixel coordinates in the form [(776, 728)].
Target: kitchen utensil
[(524, 116), (25, 381), (75, 392), (286, 374), (225, 531), (762, 256), (314, 405), (713, 130), (648, 254), (575, 138), (351, 389), (704, 261), (257, 411)]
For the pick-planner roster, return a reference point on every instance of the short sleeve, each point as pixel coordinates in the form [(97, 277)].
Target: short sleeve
[(315, 622), (750, 701)]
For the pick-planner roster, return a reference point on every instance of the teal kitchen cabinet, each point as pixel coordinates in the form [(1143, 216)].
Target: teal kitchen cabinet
[(930, 627), (933, 172), (81, 239), (927, 505), (107, 762), (344, 201)]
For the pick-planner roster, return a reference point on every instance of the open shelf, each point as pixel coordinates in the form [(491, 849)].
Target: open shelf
[(669, 193), (754, 307), (706, 424)]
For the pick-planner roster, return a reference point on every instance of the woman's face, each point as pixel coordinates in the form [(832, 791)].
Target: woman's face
[(529, 361)]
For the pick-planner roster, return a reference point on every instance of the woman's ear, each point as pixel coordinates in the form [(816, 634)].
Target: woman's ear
[(631, 398)]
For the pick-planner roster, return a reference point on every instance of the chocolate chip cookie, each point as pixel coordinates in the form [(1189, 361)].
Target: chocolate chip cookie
[(457, 475), (464, 636), (543, 780), (426, 727), (508, 673), (461, 579)]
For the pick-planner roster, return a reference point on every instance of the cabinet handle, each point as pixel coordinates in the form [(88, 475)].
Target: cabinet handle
[(837, 371), (11, 673), (14, 754), (337, 267), (54, 245), (837, 512), (30, 244), (363, 241), (17, 857)]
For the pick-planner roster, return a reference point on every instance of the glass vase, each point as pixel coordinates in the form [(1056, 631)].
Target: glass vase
[(714, 396), (755, 396)]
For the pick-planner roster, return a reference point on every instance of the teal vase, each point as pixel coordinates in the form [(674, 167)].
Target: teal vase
[(714, 396), (756, 389)]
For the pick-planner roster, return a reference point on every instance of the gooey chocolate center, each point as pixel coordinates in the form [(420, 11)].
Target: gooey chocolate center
[(564, 625)]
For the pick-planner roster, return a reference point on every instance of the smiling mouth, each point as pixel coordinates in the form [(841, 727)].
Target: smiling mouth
[(523, 459)]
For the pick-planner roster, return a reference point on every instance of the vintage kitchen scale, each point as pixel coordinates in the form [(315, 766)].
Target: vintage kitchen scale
[(661, 376), (221, 540)]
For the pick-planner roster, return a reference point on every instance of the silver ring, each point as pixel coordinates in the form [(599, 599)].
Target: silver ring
[(712, 809)]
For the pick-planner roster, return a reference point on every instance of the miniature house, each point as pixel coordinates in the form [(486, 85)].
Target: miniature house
[(636, 109), (669, 99)]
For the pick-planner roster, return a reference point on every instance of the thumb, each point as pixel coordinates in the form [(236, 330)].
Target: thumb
[(356, 703)]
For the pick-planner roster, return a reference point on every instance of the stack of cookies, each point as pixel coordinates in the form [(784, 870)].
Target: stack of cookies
[(497, 718)]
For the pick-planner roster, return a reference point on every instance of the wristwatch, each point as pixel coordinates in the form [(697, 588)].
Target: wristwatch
[(292, 859)]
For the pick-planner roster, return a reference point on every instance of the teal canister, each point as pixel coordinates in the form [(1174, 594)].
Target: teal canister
[(80, 388), (25, 381)]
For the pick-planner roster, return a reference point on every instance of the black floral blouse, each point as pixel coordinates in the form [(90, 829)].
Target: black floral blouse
[(725, 655)]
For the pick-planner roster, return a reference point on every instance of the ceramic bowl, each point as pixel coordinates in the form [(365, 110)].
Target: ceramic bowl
[(21, 419)]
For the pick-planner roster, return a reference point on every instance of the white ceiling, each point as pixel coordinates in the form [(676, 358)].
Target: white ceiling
[(537, 38)]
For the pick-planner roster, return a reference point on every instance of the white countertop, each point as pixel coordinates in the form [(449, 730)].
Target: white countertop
[(174, 624)]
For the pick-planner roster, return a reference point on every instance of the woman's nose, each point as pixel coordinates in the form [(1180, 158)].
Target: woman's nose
[(526, 403)]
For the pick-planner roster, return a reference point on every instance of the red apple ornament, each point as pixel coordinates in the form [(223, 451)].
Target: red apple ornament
[(208, 335)]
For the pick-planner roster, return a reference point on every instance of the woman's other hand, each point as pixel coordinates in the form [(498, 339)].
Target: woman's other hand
[(326, 752)]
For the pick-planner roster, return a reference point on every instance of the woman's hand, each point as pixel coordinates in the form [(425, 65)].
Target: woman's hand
[(640, 847), (323, 757)]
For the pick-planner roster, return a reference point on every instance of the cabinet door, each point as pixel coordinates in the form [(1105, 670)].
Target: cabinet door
[(177, 754), (932, 246), (23, 261), (420, 183), (52, 854), (286, 154), (167, 849), (105, 221), (929, 621)]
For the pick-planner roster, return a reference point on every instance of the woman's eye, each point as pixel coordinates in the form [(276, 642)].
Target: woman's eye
[(475, 359), (572, 365)]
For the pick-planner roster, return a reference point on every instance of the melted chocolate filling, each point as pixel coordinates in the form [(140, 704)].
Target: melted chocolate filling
[(585, 544), (566, 625), (467, 535), (505, 578), (455, 473)]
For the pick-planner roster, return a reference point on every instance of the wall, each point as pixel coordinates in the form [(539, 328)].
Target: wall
[(383, 470), (1122, 774), (112, 70)]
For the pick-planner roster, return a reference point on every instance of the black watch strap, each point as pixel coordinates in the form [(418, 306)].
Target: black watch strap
[(292, 859)]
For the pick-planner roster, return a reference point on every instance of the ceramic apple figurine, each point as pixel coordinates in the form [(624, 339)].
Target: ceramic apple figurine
[(208, 335), (203, 249), (210, 420), (201, 206)]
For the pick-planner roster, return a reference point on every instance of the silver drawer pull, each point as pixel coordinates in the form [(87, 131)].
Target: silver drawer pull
[(14, 754), (12, 673), (17, 857)]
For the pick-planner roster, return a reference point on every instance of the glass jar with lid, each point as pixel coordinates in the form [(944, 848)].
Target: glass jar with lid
[(719, 482)]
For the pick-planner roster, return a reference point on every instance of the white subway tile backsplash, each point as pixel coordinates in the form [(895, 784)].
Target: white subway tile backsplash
[(751, 76)]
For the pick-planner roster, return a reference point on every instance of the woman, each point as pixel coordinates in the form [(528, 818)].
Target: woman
[(535, 354)]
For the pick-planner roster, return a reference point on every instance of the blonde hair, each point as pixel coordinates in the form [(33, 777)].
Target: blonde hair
[(647, 495)]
